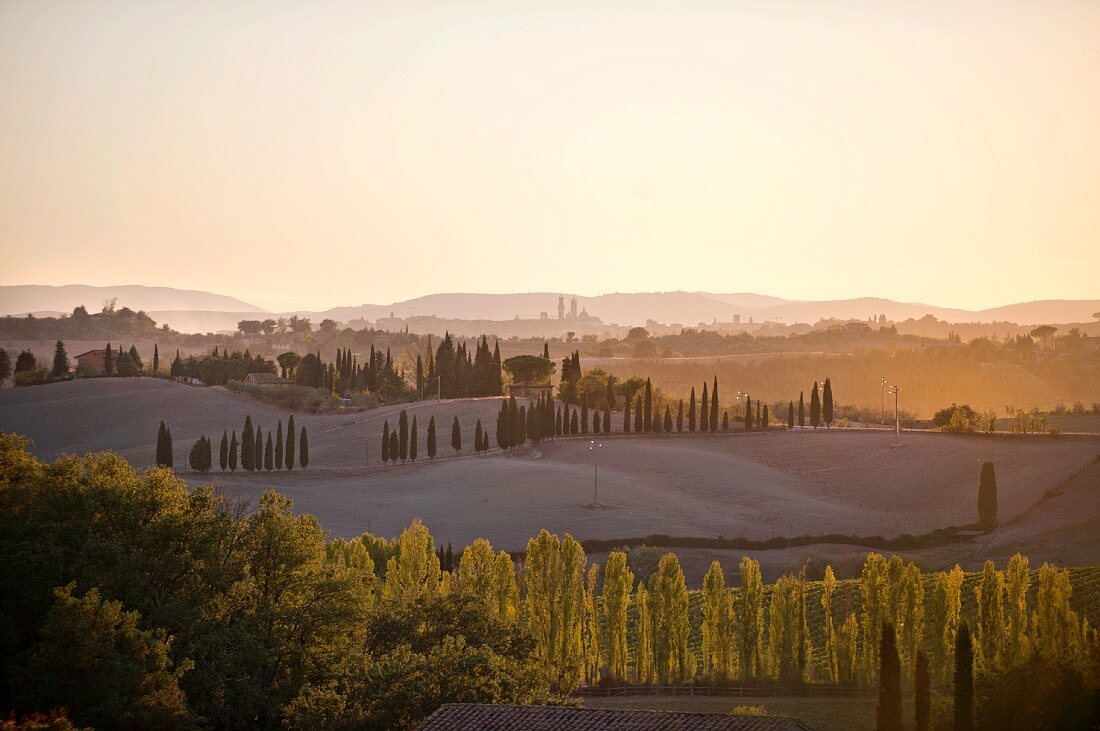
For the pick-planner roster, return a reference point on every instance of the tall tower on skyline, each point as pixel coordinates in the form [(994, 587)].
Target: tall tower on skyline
[(561, 306), (573, 308)]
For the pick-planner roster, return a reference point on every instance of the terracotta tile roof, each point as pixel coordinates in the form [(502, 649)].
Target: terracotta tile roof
[(486, 717)]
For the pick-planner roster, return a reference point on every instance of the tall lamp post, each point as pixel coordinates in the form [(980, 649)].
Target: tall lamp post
[(594, 447), (882, 382), (897, 416)]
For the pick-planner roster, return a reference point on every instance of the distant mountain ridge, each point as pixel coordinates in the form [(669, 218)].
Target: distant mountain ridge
[(198, 311), (19, 299)]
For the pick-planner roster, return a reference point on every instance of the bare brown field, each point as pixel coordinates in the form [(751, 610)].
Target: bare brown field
[(732, 485)]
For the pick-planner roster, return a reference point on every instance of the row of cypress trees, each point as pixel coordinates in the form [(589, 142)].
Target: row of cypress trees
[(255, 453), (401, 442)]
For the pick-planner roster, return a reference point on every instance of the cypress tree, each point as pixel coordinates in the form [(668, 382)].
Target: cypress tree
[(725, 421), (223, 452), (596, 421), (607, 422), (964, 679), (668, 420), (626, 415), (233, 452), (169, 456), (156, 359), (60, 361), (609, 395), (638, 411), (647, 417), (691, 411), (5, 365), (431, 438), (765, 420), (827, 403), (801, 409), (393, 445), (269, 454), (109, 361), (258, 450), (303, 451), (815, 407), (790, 415), (584, 413), (987, 497), (888, 714), (402, 436), (279, 445), (922, 696), (160, 446), (386, 441), (456, 436), (748, 413), (680, 417), (477, 437), (248, 450), (757, 421), (290, 434), (714, 406), (572, 423), (412, 441), (704, 411)]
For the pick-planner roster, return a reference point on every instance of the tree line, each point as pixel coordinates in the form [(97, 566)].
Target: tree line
[(252, 452)]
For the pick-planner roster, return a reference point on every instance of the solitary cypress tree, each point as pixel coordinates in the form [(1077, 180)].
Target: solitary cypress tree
[(987, 498), (223, 452), (156, 359), (922, 697), (402, 436), (680, 417), (456, 436), (626, 415), (248, 449), (691, 411), (303, 451), (888, 714), (714, 406), (790, 415), (412, 441), (801, 409), (964, 679), (431, 438), (704, 411), (386, 441), (477, 437), (233, 452), (279, 445), (290, 435), (160, 446), (827, 403), (60, 361), (108, 361), (815, 407), (269, 454)]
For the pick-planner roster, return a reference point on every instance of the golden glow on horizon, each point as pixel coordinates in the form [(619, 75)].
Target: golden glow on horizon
[(283, 153)]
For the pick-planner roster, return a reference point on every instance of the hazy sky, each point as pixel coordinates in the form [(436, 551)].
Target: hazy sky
[(310, 154)]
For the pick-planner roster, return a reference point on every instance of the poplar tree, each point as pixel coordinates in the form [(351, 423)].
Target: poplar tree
[(714, 406), (874, 593), (413, 571), (801, 410), (672, 654), (751, 612), (618, 582), (717, 628), (269, 454), (590, 631), (643, 636), (290, 435), (476, 568), (815, 407), (943, 624), (412, 440), (456, 436), (987, 498), (303, 450), (888, 713), (233, 452), (704, 411), (827, 403), (989, 648), (402, 436), (505, 588), (680, 417), (248, 449), (964, 680), (1058, 635), (223, 451), (691, 411), (431, 438), (788, 636), (386, 441), (832, 662), (279, 441), (909, 615), (922, 693)]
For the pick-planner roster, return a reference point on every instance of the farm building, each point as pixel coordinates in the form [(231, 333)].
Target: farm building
[(91, 362), (531, 389), (478, 716), (267, 379)]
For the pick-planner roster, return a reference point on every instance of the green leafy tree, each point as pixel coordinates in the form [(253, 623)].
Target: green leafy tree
[(672, 654), (618, 585), (529, 368), (989, 592), (751, 612), (717, 630), (643, 636)]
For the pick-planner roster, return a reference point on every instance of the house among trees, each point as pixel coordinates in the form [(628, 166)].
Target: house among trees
[(267, 379), (532, 389), (478, 716), (92, 362)]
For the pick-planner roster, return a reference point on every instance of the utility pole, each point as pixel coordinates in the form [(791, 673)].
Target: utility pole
[(883, 384), (594, 447)]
